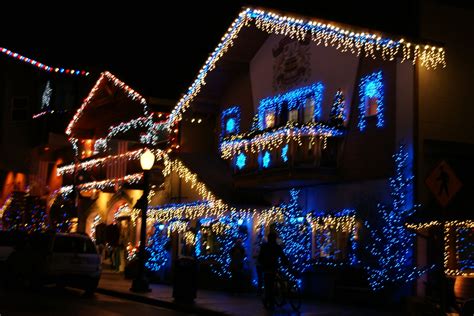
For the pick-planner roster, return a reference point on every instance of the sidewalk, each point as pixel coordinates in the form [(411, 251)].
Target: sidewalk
[(217, 303)]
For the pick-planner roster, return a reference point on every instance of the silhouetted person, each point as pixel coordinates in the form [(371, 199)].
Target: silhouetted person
[(444, 179), (269, 258), (237, 257)]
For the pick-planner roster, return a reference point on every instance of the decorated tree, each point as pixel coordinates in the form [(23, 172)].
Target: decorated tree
[(390, 242), (157, 249), (295, 234)]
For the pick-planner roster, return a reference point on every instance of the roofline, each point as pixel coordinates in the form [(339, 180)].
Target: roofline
[(356, 41), (134, 95)]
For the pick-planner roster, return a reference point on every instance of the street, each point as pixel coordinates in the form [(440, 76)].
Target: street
[(67, 301)]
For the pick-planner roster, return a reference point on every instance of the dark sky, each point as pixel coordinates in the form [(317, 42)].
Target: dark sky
[(158, 49)]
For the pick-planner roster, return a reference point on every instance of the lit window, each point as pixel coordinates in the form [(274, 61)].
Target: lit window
[(266, 160), (293, 116), (309, 110), (371, 102), (371, 96), (240, 161), (269, 119)]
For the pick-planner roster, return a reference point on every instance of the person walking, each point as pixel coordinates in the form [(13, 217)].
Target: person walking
[(237, 257), (271, 253)]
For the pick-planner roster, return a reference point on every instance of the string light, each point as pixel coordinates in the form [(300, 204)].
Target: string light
[(371, 87), (345, 40), (42, 66), (392, 244), (269, 140), (99, 162), (293, 99), (337, 116), (121, 85), (284, 153), (100, 185), (157, 248), (97, 220)]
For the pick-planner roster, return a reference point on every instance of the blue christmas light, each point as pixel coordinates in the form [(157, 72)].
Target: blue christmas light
[(465, 248), (266, 160), (371, 86), (230, 125), (295, 234), (230, 121), (392, 244), (295, 99), (240, 161), (337, 115), (284, 153), (157, 249)]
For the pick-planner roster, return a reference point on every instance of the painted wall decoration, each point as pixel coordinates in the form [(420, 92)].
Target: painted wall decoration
[(291, 63)]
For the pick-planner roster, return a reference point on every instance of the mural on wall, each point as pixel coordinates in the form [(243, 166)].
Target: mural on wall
[(291, 63)]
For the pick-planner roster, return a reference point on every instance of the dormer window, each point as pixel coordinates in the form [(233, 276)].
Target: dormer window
[(230, 121), (371, 96)]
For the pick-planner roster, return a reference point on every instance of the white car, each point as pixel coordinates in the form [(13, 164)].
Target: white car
[(62, 259)]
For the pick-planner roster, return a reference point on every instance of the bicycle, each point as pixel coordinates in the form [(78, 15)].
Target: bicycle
[(284, 291)]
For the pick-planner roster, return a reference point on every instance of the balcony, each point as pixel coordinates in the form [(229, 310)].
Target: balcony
[(288, 155)]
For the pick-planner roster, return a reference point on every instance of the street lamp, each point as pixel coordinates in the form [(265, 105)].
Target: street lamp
[(140, 283)]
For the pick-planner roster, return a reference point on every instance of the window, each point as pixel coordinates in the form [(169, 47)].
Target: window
[(269, 119), (371, 99), (332, 244), (230, 121), (19, 108), (309, 110), (293, 116), (371, 102)]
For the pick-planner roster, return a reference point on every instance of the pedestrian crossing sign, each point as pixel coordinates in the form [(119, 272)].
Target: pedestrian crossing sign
[(443, 183)]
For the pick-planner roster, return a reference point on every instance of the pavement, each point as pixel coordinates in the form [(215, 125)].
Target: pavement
[(219, 303)]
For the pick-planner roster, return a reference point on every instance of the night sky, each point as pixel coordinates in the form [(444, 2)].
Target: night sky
[(158, 51)]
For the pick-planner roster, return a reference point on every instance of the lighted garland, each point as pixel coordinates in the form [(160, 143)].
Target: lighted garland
[(293, 99), (460, 271), (99, 162), (345, 40), (100, 185), (192, 179), (97, 220), (42, 66), (106, 76), (255, 142), (194, 210)]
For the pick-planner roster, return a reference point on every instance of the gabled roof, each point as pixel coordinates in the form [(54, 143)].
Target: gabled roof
[(343, 38), (93, 100)]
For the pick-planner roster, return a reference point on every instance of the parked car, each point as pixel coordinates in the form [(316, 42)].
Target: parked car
[(9, 240), (61, 259)]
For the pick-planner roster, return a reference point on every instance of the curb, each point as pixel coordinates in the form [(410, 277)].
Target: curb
[(189, 308)]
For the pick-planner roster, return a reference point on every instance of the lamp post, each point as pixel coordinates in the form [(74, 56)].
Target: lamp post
[(140, 283)]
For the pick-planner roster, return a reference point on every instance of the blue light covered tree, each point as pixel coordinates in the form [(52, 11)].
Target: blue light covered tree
[(391, 243), (295, 234), (157, 249)]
